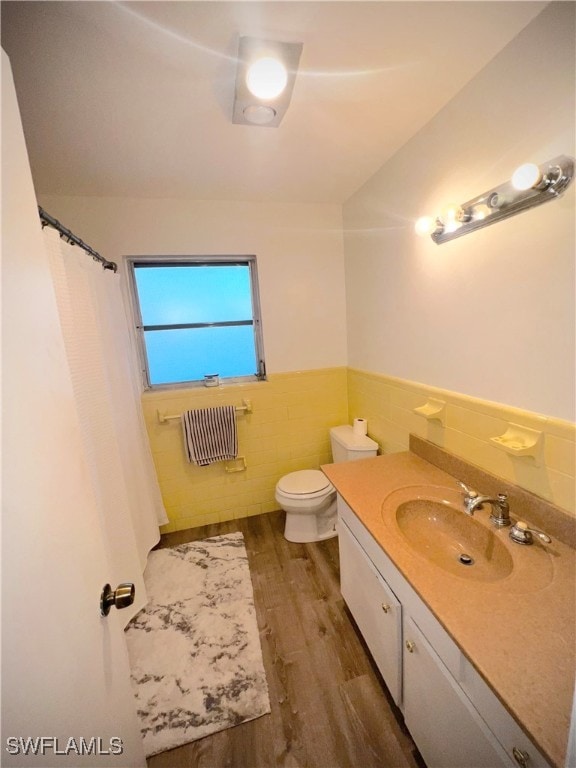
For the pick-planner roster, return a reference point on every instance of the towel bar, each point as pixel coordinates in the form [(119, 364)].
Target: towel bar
[(246, 407)]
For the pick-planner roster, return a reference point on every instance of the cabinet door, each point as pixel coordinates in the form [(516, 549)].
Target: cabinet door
[(514, 741), (447, 729), (375, 609)]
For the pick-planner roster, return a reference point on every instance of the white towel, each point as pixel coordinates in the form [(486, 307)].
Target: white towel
[(210, 434)]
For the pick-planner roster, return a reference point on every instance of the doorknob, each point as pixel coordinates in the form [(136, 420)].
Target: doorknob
[(121, 597)]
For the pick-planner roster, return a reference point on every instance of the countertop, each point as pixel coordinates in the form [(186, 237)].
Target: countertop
[(519, 637)]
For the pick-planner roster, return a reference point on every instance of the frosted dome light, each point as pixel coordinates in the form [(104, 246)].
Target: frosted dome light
[(266, 78)]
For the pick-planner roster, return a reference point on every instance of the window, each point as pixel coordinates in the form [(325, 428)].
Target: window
[(196, 317)]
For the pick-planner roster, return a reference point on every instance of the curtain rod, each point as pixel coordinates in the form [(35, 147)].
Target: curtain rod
[(45, 218)]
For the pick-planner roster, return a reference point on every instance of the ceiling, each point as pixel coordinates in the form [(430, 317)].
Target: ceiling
[(134, 99)]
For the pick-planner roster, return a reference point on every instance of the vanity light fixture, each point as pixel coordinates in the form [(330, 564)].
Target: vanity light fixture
[(530, 185), (265, 77)]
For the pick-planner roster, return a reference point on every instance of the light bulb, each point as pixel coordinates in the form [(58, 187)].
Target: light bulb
[(451, 225), (455, 213), (526, 176), (451, 213), (452, 217), (425, 225), (480, 212), (266, 78)]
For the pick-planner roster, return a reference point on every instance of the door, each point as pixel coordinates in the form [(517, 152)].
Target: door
[(66, 695)]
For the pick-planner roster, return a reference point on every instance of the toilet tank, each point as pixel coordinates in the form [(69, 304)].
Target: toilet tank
[(348, 446)]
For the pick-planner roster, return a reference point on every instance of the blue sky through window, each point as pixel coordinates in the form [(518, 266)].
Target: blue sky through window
[(194, 293)]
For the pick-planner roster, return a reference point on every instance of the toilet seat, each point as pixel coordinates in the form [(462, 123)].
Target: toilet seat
[(305, 484)]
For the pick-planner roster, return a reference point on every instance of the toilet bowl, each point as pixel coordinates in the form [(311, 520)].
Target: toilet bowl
[(309, 498)]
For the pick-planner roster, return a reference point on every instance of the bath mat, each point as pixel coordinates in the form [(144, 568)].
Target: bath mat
[(195, 654)]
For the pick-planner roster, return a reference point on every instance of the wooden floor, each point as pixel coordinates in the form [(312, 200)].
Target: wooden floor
[(330, 708)]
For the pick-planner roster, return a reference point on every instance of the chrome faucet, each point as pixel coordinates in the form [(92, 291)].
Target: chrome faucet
[(500, 514), (470, 497)]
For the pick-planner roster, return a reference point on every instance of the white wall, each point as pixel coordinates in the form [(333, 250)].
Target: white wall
[(299, 251), (490, 314)]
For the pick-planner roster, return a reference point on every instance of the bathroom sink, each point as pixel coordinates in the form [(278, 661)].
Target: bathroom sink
[(449, 538), (432, 523)]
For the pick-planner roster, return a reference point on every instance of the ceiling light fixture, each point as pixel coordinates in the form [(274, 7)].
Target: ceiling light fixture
[(530, 185), (265, 79)]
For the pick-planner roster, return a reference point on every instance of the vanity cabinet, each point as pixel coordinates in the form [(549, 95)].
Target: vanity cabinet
[(455, 719), (375, 608)]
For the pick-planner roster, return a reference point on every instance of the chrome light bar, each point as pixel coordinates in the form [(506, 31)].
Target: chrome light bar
[(530, 185)]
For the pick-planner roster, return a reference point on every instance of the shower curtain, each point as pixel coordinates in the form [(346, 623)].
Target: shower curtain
[(97, 343)]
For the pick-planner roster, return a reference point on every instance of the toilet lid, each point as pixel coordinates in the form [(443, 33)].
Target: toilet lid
[(304, 481)]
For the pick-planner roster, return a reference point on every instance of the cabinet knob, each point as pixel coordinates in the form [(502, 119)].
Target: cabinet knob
[(385, 607), (410, 646), (521, 757)]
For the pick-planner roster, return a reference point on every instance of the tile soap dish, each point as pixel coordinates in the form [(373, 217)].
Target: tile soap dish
[(433, 409), (520, 441)]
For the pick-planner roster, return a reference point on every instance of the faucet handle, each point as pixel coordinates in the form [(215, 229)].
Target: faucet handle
[(470, 497), (470, 494), (522, 534)]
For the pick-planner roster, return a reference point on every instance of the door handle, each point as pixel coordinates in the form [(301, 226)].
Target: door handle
[(121, 597)]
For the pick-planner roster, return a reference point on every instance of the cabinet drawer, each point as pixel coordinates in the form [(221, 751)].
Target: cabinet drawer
[(375, 609)]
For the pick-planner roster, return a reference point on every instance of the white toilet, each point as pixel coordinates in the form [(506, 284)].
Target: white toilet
[(309, 498)]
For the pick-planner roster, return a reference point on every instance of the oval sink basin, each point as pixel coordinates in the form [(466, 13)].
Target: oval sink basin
[(431, 521), (454, 541)]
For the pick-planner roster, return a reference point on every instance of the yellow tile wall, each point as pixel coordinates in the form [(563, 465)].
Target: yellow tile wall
[(388, 404), (287, 430)]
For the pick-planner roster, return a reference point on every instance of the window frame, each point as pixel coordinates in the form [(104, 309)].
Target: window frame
[(133, 262)]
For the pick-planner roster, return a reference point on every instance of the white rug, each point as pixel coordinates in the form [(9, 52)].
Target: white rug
[(195, 651)]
